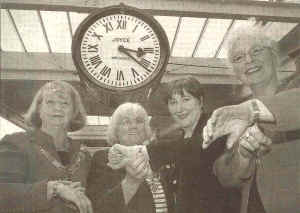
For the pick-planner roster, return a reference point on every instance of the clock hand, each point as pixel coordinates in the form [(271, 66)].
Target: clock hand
[(123, 50), (139, 52)]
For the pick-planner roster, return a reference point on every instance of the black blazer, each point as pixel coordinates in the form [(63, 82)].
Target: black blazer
[(198, 188)]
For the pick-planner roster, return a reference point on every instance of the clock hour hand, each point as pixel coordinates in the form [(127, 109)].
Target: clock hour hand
[(139, 52), (125, 51)]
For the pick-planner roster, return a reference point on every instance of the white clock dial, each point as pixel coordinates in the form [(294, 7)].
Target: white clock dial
[(120, 51)]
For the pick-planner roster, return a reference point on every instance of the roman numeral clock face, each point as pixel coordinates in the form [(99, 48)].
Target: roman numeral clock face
[(121, 52)]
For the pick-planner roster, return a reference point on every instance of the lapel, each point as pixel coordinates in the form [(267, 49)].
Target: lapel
[(44, 140), (197, 133), (73, 150), (142, 200)]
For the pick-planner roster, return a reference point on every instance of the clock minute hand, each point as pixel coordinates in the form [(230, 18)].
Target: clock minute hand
[(139, 52), (123, 50)]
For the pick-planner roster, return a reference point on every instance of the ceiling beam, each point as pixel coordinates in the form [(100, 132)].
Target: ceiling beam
[(268, 11), (200, 37), (175, 36), (41, 22), (90, 132), (59, 66), (224, 38), (13, 116), (11, 18), (37, 66)]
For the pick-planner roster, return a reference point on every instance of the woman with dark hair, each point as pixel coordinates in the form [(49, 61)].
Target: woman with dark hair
[(199, 189), (125, 190), (42, 170)]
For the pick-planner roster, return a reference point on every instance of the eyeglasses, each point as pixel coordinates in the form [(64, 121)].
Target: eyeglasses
[(253, 53)]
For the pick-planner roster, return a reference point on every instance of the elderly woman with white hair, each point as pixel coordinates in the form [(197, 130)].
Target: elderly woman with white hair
[(43, 170), (134, 188), (253, 57)]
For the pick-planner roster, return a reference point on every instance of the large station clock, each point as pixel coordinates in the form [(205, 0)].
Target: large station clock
[(120, 50)]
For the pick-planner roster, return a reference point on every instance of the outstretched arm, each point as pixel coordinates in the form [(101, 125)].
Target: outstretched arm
[(158, 154), (234, 120), (237, 165), (285, 108)]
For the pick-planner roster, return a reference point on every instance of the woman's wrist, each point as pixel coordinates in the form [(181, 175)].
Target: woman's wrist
[(53, 189), (246, 163), (50, 189), (243, 152)]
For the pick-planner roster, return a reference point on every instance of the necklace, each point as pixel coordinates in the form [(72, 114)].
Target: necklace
[(158, 194), (154, 182), (68, 170)]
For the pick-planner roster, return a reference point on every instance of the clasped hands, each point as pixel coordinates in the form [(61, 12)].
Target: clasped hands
[(72, 193), (132, 159), (253, 143), (236, 122)]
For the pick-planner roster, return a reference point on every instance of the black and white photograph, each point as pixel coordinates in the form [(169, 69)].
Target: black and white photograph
[(153, 106)]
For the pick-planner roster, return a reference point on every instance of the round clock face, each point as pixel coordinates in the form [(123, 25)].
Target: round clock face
[(121, 51)]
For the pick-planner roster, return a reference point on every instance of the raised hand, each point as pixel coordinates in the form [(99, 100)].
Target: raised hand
[(254, 143), (120, 155), (138, 168), (229, 120), (117, 156)]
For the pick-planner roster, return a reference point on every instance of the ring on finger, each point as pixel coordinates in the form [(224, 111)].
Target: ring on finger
[(245, 137)]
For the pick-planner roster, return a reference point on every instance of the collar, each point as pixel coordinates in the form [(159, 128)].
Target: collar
[(46, 141), (198, 127), (39, 137)]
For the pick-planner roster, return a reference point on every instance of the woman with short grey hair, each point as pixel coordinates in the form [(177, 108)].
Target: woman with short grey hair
[(253, 57), (126, 189), (118, 118)]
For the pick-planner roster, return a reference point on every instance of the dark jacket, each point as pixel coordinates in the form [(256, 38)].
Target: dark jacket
[(276, 181), (285, 106), (198, 187), (25, 171), (278, 177), (105, 191)]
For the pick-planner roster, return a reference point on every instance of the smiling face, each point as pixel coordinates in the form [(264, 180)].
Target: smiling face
[(131, 128), (185, 109), (56, 109), (252, 62)]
